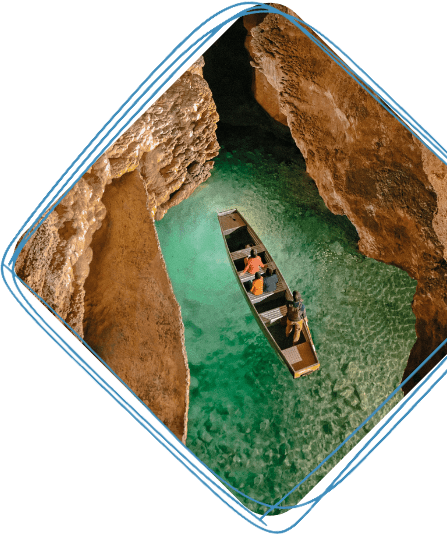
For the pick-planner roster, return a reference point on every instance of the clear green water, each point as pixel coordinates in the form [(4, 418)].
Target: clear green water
[(248, 419)]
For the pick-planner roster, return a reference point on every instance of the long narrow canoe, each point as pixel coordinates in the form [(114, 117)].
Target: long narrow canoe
[(269, 308)]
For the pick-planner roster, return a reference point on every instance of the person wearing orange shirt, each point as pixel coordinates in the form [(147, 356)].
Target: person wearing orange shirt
[(254, 263), (246, 259), (257, 287)]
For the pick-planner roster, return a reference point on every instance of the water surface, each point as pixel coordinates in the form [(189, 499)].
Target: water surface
[(248, 419)]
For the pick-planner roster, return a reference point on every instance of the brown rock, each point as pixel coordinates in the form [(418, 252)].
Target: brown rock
[(365, 163), (131, 316), (132, 320)]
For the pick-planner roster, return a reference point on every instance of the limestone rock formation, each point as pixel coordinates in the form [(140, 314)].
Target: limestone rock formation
[(160, 160), (365, 163), (132, 318)]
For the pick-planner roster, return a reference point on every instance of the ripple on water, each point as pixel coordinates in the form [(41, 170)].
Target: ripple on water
[(248, 419)]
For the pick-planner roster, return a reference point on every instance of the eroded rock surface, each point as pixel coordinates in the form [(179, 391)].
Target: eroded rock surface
[(365, 163), (132, 318), (168, 150)]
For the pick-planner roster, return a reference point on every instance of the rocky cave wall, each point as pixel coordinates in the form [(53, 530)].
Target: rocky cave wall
[(103, 232), (365, 163)]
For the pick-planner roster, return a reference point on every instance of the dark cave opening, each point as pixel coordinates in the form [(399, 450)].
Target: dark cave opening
[(243, 122)]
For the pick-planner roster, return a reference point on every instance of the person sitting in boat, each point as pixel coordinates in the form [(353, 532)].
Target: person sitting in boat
[(270, 280), (254, 263), (246, 258), (296, 313), (257, 286)]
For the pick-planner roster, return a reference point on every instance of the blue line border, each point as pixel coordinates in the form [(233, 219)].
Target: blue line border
[(86, 162)]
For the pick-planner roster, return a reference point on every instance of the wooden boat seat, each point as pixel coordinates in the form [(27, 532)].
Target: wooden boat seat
[(292, 355), (254, 299), (231, 222), (270, 316), (245, 252)]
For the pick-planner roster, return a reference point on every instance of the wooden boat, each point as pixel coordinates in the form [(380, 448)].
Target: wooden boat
[(269, 308)]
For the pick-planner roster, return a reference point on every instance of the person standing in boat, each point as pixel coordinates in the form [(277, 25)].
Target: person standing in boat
[(270, 280), (296, 313), (257, 287), (254, 262)]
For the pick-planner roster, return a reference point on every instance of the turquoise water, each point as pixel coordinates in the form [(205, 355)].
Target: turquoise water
[(249, 420)]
